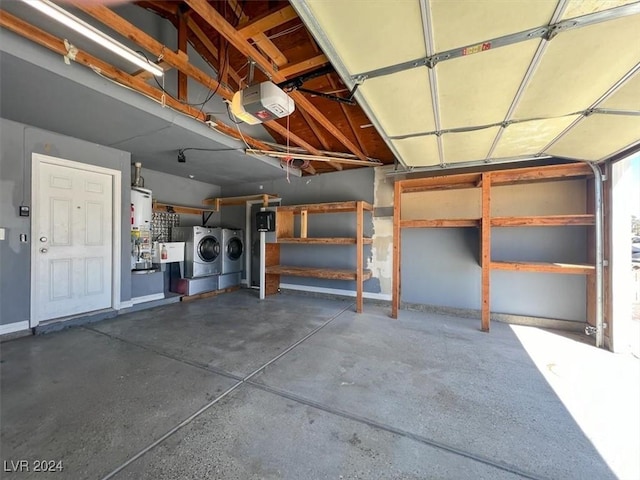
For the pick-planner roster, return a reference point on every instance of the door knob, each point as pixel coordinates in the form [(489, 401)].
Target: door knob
[(43, 250), (43, 239)]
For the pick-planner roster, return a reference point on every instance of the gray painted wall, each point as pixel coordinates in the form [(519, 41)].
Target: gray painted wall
[(330, 187), (17, 143), (181, 191), (440, 266)]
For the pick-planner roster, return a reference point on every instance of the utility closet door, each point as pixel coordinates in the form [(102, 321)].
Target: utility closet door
[(73, 240)]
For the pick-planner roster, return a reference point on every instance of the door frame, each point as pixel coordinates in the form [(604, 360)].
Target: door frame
[(38, 159)]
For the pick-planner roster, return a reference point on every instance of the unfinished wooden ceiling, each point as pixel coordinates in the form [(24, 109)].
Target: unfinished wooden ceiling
[(444, 83), (230, 33)]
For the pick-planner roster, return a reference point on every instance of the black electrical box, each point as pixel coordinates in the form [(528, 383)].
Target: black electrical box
[(266, 221)]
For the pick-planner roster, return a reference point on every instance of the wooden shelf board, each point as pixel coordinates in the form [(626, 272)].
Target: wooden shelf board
[(333, 207), (452, 222), (544, 220), (241, 200), (323, 240), (167, 207), (326, 273), (533, 174), (441, 182), (543, 267)]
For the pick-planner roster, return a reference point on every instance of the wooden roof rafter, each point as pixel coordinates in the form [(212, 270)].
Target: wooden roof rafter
[(217, 21), (180, 62)]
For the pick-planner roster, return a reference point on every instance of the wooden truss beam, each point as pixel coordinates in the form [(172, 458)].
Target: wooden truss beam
[(182, 46), (296, 68), (56, 45), (211, 48), (267, 21), (217, 21), (176, 60)]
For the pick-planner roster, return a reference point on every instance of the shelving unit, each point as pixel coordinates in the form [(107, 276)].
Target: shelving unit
[(216, 203), (172, 208), (285, 234), (485, 182), (242, 200)]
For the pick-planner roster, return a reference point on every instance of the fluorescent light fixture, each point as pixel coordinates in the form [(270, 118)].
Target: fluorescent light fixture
[(54, 11)]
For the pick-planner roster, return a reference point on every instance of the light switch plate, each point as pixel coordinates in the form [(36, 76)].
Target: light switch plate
[(1, 233)]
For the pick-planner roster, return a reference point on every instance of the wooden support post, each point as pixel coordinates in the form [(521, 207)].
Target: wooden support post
[(359, 255), (397, 209), (182, 46), (303, 224), (485, 258)]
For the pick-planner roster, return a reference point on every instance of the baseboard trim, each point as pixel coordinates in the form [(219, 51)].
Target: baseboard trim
[(14, 327), (125, 304), (334, 291), (147, 298), (513, 319)]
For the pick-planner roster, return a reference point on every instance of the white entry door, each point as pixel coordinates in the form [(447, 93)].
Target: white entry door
[(72, 241)]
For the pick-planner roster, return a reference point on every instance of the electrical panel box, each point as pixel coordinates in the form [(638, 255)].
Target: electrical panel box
[(266, 221)]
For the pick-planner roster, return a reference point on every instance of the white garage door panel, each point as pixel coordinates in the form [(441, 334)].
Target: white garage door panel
[(529, 138), (577, 8), (588, 140), (486, 98), (565, 83), (468, 146), (418, 151), (626, 97), (374, 33), (399, 101), (458, 23)]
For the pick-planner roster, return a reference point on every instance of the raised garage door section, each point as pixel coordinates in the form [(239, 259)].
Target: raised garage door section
[(457, 83)]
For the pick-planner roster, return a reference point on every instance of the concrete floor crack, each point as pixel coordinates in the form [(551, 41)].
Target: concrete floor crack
[(396, 431), (206, 407)]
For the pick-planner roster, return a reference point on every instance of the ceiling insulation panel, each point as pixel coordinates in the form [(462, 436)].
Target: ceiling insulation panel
[(574, 70), (401, 101), (579, 66), (577, 8), (460, 23), (627, 97), (597, 136), (529, 138), (418, 151), (468, 146), (371, 34), (478, 89)]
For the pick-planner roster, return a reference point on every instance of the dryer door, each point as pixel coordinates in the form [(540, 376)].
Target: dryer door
[(234, 249), (208, 249)]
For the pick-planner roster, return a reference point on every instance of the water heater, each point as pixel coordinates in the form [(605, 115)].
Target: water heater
[(141, 244), (141, 208)]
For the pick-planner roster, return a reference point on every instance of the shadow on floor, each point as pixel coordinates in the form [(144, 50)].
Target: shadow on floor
[(364, 396)]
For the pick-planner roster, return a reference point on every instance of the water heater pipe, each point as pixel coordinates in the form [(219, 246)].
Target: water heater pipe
[(138, 181)]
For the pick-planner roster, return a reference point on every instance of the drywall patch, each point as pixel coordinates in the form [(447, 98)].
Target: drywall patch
[(381, 261)]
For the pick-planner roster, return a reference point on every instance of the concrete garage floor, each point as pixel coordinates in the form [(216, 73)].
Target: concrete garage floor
[(300, 387)]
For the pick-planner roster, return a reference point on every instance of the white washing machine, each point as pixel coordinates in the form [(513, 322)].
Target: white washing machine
[(232, 251), (203, 250)]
